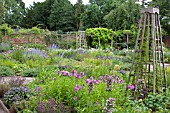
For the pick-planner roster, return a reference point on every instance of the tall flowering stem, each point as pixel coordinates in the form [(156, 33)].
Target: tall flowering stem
[(109, 83), (109, 105), (90, 84)]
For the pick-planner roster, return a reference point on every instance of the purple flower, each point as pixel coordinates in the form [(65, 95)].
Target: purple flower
[(41, 107), (76, 88), (58, 72), (74, 72), (82, 73), (96, 81), (51, 102), (41, 81), (65, 73), (82, 87), (74, 98), (88, 81), (101, 77), (132, 87), (77, 76), (97, 103), (121, 81)]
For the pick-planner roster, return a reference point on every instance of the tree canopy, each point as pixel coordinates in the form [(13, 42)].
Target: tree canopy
[(62, 15)]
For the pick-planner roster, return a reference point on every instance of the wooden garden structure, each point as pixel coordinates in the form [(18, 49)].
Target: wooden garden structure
[(81, 40), (148, 70)]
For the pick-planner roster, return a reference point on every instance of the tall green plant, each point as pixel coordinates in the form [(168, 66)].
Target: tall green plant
[(99, 37)]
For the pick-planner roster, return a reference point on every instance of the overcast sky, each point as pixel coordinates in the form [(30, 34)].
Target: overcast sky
[(30, 2)]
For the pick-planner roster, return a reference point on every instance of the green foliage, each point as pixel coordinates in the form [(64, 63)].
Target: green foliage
[(7, 63), (167, 56), (5, 28), (168, 76), (91, 17), (99, 37), (6, 71), (30, 72), (16, 94), (36, 30), (78, 10), (17, 54), (62, 16), (156, 102), (164, 12), (15, 12), (115, 20), (24, 31), (19, 68)]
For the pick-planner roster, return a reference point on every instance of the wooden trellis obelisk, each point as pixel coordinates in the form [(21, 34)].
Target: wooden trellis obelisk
[(81, 40), (148, 69)]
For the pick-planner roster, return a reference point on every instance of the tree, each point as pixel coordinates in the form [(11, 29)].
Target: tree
[(62, 16), (38, 14), (15, 12), (2, 11), (164, 6), (78, 11), (90, 17), (123, 15)]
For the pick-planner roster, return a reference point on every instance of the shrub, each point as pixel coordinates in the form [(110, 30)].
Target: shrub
[(100, 37), (17, 55), (31, 72), (16, 95), (19, 68), (6, 71)]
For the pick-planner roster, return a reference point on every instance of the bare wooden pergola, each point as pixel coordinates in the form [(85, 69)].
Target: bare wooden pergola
[(148, 68)]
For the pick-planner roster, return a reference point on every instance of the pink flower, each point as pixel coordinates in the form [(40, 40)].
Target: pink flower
[(121, 81), (76, 88), (82, 73), (101, 78), (77, 76), (132, 87), (58, 72), (74, 72), (96, 81), (88, 81), (82, 87), (74, 98)]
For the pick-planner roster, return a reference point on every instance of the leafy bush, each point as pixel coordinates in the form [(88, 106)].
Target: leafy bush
[(6, 71), (31, 72), (100, 37), (16, 95), (7, 63), (6, 28), (19, 68), (36, 30), (156, 102), (167, 56), (17, 54)]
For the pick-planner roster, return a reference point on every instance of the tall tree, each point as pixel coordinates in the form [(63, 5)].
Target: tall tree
[(2, 11), (62, 16), (15, 12), (91, 17), (78, 11), (164, 6), (38, 14), (123, 15)]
